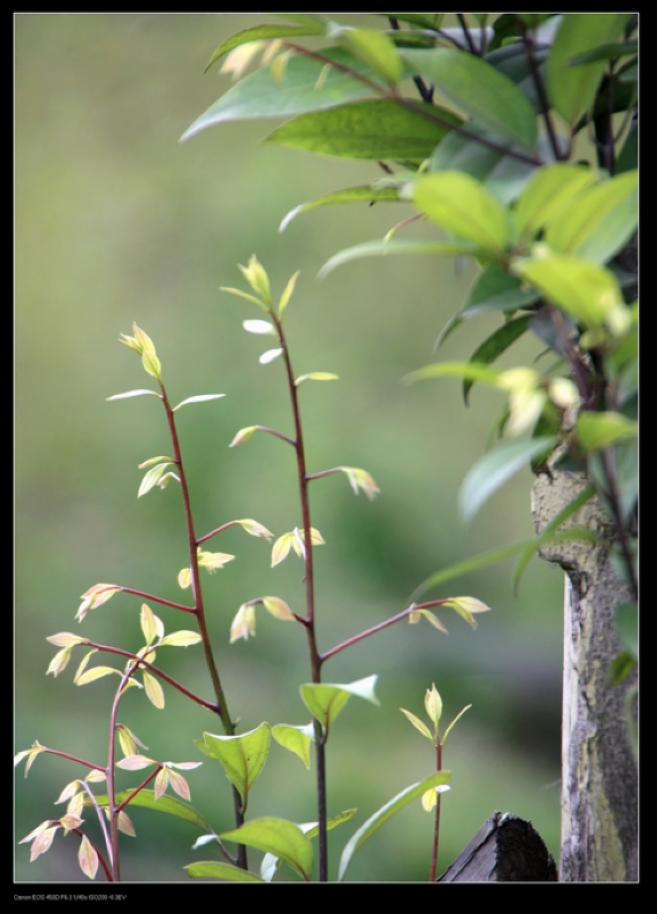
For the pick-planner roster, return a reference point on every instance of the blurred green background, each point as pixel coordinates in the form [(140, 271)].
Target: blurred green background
[(117, 222)]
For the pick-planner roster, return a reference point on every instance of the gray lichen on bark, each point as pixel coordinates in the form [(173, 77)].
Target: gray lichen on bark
[(599, 774)]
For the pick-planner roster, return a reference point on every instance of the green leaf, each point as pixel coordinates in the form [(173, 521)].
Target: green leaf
[(242, 757), (383, 248), (313, 830), (316, 376), (462, 205), (152, 478), (372, 47), (260, 95), (280, 837), (627, 622), (167, 804), (586, 290), (350, 195), (429, 21), (606, 52), (458, 717), (200, 398), (572, 89), (296, 739), (494, 469), (372, 129), (213, 869), (496, 344), (599, 221), (549, 191), (621, 667), (418, 724), (469, 370), (386, 812), (264, 33), (479, 90), (325, 701), (597, 431)]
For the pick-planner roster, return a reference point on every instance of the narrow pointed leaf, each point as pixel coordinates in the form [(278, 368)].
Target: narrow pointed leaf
[(365, 194), (153, 690), (269, 356), (133, 393), (263, 33), (200, 398), (152, 478), (279, 837), (597, 431), (389, 248), (496, 344), (316, 376), (98, 672), (549, 190), (181, 638), (458, 717), (88, 858), (418, 724), (386, 812), (496, 468)]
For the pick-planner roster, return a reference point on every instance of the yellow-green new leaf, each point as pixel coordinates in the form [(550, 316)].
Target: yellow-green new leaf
[(418, 724), (373, 47), (59, 662), (381, 817), (414, 618), (433, 705), (326, 700), (182, 638), (549, 190), (316, 376), (278, 608), (65, 639), (458, 717), (459, 203), (597, 431), (254, 528), (251, 298), (287, 294), (151, 625), (280, 837), (152, 478), (257, 278), (296, 739), (243, 624), (361, 479), (153, 690), (199, 398), (242, 757), (98, 672), (213, 869)]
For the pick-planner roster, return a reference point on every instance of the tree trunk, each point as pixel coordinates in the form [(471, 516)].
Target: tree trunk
[(599, 773)]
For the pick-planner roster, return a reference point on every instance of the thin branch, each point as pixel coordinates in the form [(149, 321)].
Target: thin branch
[(466, 31), (150, 596), (540, 88), (426, 92), (74, 758)]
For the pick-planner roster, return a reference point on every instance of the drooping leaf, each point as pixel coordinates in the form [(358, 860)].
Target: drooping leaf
[(549, 191), (386, 812), (350, 195), (325, 701), (497, 343), (494, 469), (280, 837), (372, 129), (460, 204), (242, 757), (479, 90), (264, 33), (305, 86), (572, 89), (385, 248), (215, 869), (296, 739)]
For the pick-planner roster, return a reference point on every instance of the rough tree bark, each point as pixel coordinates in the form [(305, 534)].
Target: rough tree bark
[(599, 773)]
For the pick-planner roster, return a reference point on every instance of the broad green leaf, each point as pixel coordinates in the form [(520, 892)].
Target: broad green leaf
[(386, 812), (549, 190), (599, 221), (496, 344), (325, 701), (385, 248), (597, 431), (260, 95), (214, 869), (494, 469), (479, 90), (372, 47), (585, 290), (372, 129), (242, 757), (460, 204), (134, 393), (263, 33), (280, 837), (311, 829), (296, 739), (200, 398), (606, 52), (350, 195), (572, 89)]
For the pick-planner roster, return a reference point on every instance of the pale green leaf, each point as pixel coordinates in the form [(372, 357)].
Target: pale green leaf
[(153, 690), (181, 638), (549, 191), (472, 371), (418, 724), (287, 293), (374, 48), (449, 728), (279, 837), (326, 700), (365, 194), (263, 33), (214, 869), (597, 431), (152, 478), (243, 436), (479, 90), (242, 757), (462, 205), (98, 672), (200, 398), (296, 739), (169, 805), (278, 608), (65, 639), (316, 376), (254, 528), (246, 295), (385, 248), (386, 812), (133, 393), (496, 468)]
